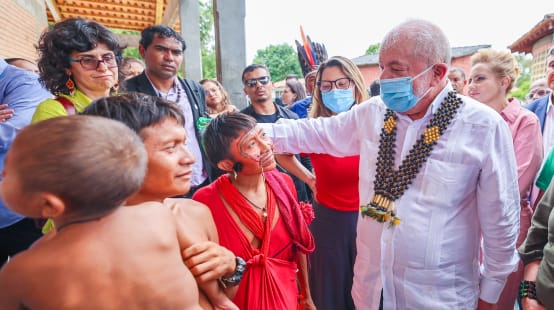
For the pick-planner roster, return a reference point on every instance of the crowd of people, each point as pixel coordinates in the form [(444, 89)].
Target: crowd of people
[(125, 185)]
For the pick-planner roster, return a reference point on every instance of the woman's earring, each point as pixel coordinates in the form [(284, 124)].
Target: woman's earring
[(70, 86), (235, 174)]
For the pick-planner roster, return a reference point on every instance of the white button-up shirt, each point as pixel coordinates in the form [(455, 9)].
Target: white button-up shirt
[(466, 192)]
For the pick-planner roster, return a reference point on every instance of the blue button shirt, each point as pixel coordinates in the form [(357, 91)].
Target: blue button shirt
[(22, 92)]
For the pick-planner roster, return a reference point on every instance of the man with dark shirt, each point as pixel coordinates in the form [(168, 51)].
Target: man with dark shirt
[(259, 88)]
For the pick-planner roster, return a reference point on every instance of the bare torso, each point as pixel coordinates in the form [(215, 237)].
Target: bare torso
[(129, 259)]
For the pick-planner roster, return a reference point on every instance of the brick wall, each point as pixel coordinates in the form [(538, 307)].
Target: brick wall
[(21, 23)]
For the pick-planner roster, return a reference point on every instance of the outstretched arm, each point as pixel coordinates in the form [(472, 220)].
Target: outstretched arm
[(292, 165)]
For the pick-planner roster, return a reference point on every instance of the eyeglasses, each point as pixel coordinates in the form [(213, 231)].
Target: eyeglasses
[(210, 91), (91, 63), (537, 93), (253, 82), (326, 86)]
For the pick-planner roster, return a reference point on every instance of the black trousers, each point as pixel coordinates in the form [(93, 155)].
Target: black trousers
[(17, 237)]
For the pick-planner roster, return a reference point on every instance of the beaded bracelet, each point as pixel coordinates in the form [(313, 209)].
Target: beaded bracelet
[(527, 289)]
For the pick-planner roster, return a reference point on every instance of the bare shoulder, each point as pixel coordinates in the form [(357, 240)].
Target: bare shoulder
[(187, 207), (193, 216), (18, 278)]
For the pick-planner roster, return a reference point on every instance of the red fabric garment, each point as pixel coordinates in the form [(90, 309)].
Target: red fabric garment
[(337, 181), (269, 281)]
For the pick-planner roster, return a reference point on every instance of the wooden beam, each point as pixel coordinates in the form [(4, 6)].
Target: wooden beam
[(171, 12), (54, 10), (159, 11)]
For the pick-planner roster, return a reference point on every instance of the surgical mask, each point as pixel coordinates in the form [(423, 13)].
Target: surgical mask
[(338, 100), (398, 94)]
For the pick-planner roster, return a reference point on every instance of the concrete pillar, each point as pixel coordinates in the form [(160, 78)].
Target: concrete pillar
[(189, 15), (230, 47)]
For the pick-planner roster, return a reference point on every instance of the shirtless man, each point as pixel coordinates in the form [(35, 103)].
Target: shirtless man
[(79, 171), (159, 123)]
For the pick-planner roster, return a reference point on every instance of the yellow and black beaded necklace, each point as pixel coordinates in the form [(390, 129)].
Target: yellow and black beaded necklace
[(390, 184)]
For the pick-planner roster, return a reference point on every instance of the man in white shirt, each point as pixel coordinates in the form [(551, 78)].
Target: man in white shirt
[(423, 224)]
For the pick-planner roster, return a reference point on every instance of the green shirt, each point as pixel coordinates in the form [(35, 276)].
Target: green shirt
[(547, 171), (51, 108)]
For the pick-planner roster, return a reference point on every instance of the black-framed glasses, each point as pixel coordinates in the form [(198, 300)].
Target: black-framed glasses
[(91, 63), (253, 82), (327, 86)]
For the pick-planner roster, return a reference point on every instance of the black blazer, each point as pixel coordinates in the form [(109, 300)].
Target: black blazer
[(195, 95)]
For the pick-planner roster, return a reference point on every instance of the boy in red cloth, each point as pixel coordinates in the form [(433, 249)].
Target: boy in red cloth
[(257, 215)]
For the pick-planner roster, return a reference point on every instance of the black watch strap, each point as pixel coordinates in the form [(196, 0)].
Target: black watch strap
[(234, 279)]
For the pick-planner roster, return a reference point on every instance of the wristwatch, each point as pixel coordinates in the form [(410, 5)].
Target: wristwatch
[(234, 279)]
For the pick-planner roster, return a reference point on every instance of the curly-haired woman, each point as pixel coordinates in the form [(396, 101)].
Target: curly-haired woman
[(78, 62)]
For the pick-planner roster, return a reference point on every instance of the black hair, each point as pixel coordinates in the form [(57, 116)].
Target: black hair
[(253, 67), (221, 131), (58, 42), (136, 110), (161, 31)]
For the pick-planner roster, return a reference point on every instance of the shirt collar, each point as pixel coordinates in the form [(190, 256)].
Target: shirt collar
[(158, 92), (511, 111)]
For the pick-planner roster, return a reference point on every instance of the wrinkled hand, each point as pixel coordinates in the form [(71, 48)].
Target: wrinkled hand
[(5, 113), (531, 304), (209, 261)]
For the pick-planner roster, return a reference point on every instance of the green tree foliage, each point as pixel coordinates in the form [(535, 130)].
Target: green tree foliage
[(281, 60), (524, 81), (207, 39), (373, 49)]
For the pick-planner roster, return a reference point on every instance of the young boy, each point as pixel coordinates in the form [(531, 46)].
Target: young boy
[(79, 170), (160, 124)]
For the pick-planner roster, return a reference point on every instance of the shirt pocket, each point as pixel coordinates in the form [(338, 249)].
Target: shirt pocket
[(433, 289), (446, 184)]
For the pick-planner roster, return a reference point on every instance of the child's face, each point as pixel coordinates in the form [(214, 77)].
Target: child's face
[(11, 188), (254, 150), (169, 161)]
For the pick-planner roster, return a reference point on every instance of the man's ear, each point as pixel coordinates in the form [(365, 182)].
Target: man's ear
[(51, 206), (142, 51), (225, 165)]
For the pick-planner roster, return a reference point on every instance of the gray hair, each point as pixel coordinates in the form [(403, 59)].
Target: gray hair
[(429, 41)]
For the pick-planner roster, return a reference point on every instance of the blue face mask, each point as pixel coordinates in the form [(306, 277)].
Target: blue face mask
[(338, 100), (398, 94)]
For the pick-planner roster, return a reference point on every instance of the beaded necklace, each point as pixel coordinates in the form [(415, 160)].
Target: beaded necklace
[(390, 184)]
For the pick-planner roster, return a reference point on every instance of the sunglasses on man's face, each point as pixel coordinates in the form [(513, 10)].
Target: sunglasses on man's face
[(253, 82)]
